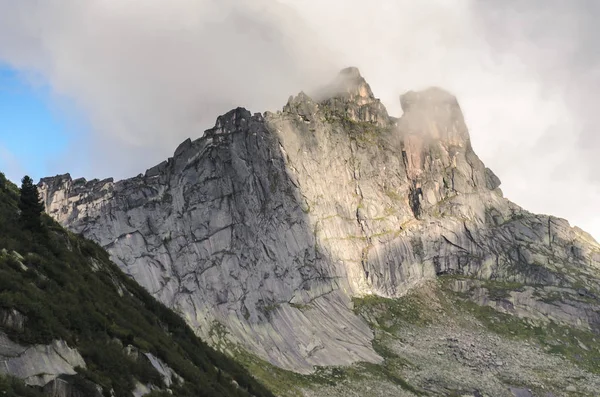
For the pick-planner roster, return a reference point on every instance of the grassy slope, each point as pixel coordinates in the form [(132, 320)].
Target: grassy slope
[(99, 312), (436, 342)]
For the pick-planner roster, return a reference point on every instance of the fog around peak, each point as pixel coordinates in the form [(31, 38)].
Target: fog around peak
[(139, 78)]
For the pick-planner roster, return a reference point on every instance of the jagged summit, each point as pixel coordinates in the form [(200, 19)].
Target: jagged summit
[(234, 119), (348, 97), (350, 84), (78, 182)]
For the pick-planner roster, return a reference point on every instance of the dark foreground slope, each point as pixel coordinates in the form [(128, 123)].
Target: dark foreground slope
[(72, 324)]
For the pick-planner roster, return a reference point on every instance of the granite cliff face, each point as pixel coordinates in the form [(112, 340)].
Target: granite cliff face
[(269, 224)]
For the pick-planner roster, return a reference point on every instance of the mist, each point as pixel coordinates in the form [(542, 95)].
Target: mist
[(139, 78)]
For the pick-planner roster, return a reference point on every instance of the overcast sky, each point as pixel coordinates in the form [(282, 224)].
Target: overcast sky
[(135, 78)]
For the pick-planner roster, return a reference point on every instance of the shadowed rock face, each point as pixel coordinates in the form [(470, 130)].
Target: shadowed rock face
[(269, 224)]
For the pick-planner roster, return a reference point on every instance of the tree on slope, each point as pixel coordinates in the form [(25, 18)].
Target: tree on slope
[(30, 205)]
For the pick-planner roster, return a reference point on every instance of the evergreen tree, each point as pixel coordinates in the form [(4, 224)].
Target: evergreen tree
[(30, 205), (2, 181)]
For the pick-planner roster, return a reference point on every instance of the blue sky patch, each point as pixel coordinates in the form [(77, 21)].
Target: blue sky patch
[(30, 128)]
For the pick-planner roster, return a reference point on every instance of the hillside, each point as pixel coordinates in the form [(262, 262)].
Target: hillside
[(71, 323)]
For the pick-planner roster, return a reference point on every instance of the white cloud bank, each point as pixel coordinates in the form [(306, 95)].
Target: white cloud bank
[(149, 74)]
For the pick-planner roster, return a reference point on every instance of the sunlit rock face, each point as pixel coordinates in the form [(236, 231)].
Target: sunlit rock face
[(269, 224)]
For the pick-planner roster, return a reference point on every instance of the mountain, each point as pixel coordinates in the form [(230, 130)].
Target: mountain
[(330, 238), (73, 325)]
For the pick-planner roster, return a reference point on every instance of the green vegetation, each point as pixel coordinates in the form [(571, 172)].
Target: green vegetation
[(575, 344), (390, 314), (496, 290), (12, 387), (393, 195), (302, 307), (365, 133), (67, 288), (396, 321), (287, 383), (280, 381), (30, 205), (362, 132), (291, 384), (387, 316)]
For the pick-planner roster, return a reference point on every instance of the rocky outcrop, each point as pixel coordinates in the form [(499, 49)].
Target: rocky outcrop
[(543, 304), (12, 319), (269, 223), (40, 364), (64, 387), (169, 377)]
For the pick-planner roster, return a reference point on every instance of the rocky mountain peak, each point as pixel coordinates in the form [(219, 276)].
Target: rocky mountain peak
[(349, 97), (232, 120), (267, 226), (351, 84)]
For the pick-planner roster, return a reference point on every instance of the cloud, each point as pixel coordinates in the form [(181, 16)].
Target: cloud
[(148, 75)]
